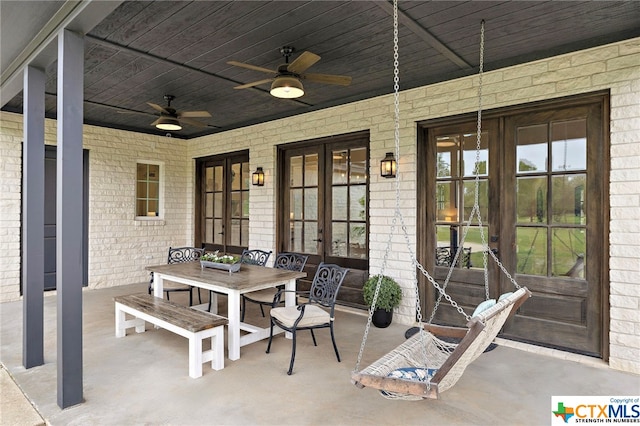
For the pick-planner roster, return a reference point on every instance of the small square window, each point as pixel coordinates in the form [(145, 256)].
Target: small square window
[(149, 181)]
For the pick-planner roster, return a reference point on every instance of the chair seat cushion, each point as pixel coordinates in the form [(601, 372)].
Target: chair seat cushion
[(313, 315), (262, 296)]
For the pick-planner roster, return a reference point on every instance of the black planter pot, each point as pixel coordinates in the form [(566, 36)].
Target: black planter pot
[(382, 318)]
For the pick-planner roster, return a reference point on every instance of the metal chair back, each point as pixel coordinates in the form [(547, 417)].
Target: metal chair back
[(255, 257), (184, 254), (290, 261), (326, 283)]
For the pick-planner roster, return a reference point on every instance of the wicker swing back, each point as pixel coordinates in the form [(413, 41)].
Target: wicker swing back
[(448, 359)]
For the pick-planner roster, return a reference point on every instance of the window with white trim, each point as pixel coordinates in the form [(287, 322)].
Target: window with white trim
[(149, 189)]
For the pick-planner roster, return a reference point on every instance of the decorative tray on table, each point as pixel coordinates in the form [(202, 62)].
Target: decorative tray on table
[(223, 262)]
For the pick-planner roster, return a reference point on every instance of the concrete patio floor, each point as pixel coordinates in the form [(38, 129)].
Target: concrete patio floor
[(143, 378)]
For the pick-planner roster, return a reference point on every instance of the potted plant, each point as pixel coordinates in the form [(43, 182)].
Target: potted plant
[(389, 297), (225, 262)]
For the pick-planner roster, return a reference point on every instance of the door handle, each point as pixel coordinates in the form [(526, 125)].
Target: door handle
[(318, 240)]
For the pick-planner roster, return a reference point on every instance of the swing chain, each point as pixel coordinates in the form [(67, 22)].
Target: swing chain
[(396, 134), (477, 171)]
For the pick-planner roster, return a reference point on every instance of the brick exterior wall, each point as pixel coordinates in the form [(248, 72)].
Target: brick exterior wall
[(119, 245), (116, 238)]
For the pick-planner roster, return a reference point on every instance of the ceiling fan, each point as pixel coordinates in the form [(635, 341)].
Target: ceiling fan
[(287, 80), (171, 119)]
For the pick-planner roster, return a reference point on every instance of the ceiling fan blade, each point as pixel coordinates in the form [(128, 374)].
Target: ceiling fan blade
[(192, 122), (155, 122), (255, 83), (251, 67), (342, 80), (158, 107), (302, 62), (188, 114)]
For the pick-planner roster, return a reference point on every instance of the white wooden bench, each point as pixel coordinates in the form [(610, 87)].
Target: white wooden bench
[(194, 325)]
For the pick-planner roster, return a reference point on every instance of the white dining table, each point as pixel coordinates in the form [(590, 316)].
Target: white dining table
[(249, 278)]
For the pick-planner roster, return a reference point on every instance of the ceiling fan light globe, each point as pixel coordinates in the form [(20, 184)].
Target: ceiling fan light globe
[(287, 88), (168, 123)]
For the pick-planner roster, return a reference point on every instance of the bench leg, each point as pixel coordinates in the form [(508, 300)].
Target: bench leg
[(195, 356), (121, 331), (122, 323), (216, 354), (217, 349)]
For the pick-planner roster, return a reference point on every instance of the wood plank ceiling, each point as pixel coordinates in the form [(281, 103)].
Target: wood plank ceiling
[(144, 50)]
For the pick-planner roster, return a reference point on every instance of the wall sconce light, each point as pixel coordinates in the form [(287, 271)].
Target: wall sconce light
[(388, 166), (257, 178)]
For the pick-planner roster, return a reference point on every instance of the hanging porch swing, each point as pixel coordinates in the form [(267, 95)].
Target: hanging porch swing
[(428, 363)]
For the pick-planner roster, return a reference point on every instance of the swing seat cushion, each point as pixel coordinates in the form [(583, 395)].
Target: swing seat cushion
[(484, 306), (504, 296), (416, 374)]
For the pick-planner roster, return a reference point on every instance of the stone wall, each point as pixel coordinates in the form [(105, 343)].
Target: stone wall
[(119, 244), (117, 238)]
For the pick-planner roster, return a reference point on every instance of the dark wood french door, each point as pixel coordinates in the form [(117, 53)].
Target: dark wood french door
[(323, 207), (222, 202), (542, 199)]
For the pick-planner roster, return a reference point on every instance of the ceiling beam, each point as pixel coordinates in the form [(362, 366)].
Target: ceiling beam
[(425, 35), (155, 58)]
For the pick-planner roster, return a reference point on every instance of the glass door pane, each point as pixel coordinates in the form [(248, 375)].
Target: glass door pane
[(303, 204), (550, 182), (458, 159), (349, 203)]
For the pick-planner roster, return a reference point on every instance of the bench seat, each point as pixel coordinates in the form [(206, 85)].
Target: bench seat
[(190, 323)]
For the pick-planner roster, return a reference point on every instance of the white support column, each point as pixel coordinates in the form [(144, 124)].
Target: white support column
[(69, 217), (33, 218)]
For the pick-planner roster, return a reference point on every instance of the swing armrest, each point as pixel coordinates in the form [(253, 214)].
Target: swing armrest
[(445, 331)]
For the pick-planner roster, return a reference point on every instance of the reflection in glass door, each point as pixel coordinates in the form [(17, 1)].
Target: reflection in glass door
[(551, 166), (455, 197), (452, 160), (223, 202)]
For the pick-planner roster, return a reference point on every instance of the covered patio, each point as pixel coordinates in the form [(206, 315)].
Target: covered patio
[(115, 59), (142, 378)]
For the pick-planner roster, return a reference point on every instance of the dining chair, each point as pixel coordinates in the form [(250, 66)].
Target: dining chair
[(180, 255), (313, 314), (255, 257), (249, 257), (288, 261)]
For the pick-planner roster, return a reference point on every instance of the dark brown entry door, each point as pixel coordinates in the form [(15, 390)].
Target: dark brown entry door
[(554, 210), (542, 181), (223, 202), (324, 208)]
